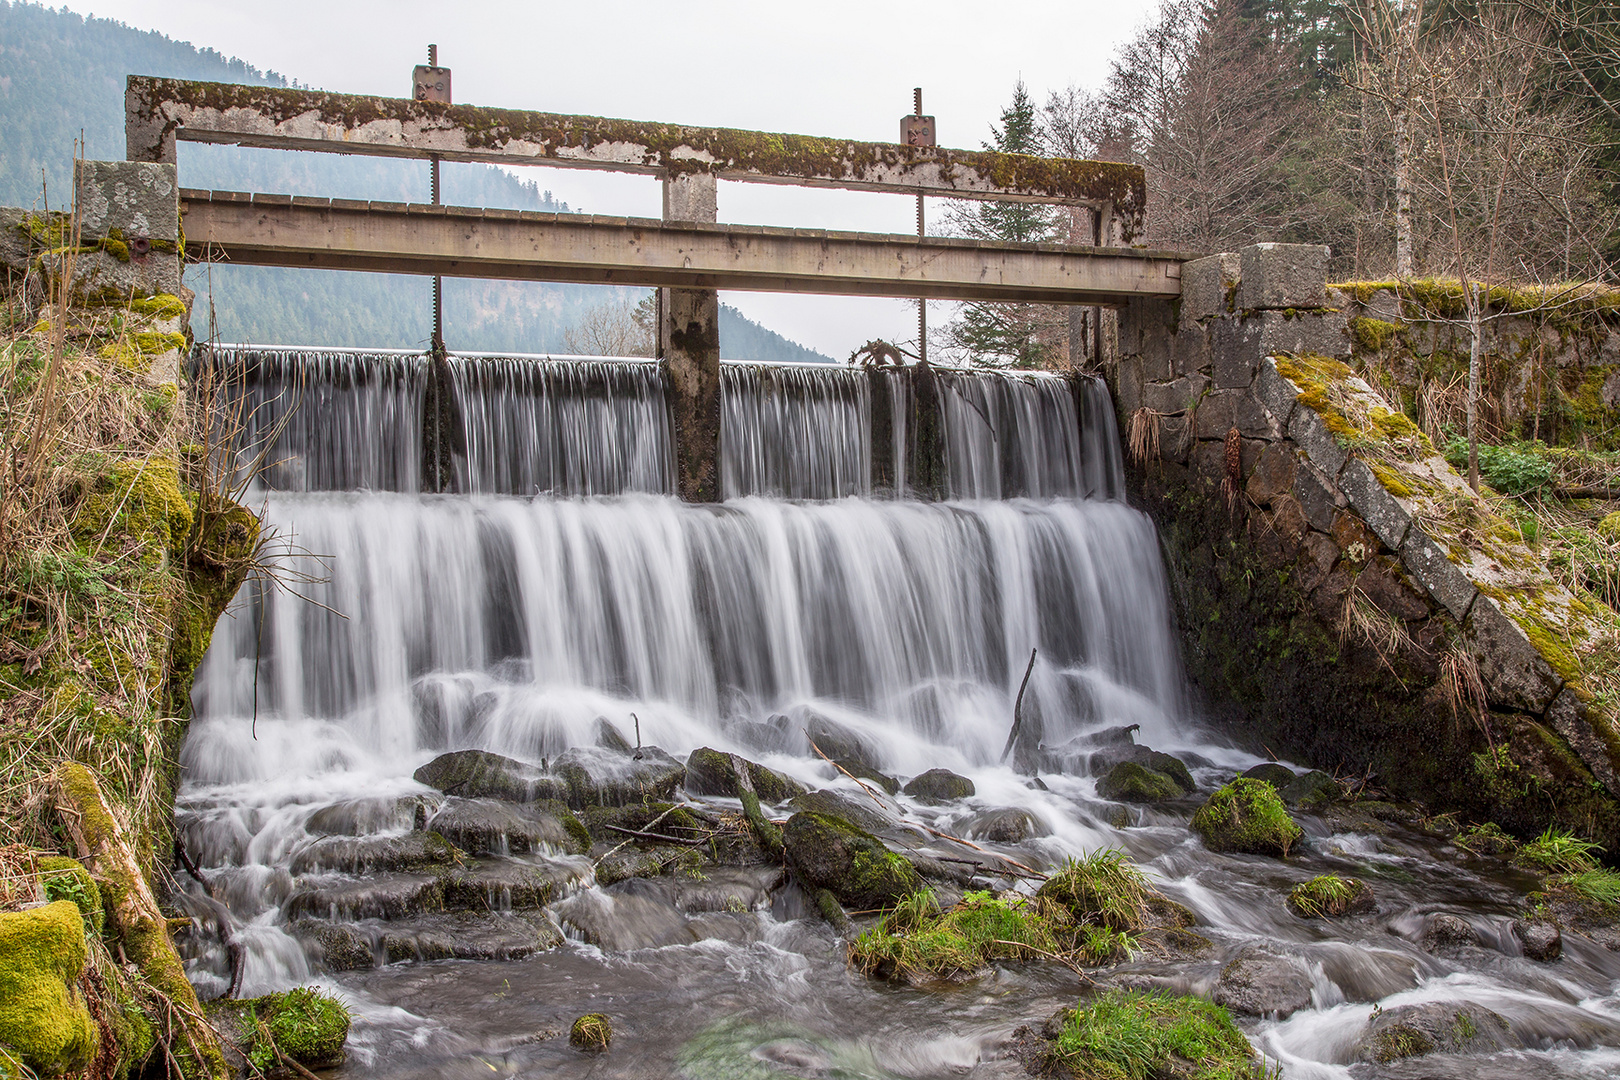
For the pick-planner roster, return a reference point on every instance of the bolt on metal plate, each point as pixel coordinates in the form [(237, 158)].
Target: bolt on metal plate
[(917, 130), (430, 83)]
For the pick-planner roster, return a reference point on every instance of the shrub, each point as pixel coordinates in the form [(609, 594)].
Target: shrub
[(1105, 889), (1558, 853)]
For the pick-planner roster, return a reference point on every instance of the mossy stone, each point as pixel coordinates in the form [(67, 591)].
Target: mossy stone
[(1311, 791), (592, 1032), (827, 852), (1609, 527), (1130, 782), (43, 1020), (1278, 776), (710, 772), (1330, 897), (938, 786), (308, 1026), (1247, 816)]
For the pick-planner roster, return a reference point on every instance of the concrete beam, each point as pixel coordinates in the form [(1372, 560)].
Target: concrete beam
[(160, 111), (280, 230)]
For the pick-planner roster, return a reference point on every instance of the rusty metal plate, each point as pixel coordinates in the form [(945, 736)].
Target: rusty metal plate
[(917, 130), (430, 83)]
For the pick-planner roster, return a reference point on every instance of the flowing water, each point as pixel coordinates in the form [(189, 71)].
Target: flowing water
[(571, 588)]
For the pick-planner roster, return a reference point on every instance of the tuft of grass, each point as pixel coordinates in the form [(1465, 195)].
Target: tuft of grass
[(1599, 884), (1325, 897), (591, 1032), (1103, 889), (917, 941), (1486, 839), (1558, 852), (1247, 816), (1130, 1035)]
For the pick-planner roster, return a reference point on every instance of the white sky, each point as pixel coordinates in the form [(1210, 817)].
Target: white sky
[(836, 68)]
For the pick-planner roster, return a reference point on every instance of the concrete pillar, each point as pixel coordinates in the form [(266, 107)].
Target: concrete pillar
[(130, 212), (689, 344)]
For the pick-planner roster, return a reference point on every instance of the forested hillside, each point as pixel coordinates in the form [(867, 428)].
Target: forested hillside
[(62, 74)]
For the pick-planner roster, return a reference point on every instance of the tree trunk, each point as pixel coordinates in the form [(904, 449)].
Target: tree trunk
[(1476, 331), (1403, 193), (132, 913)]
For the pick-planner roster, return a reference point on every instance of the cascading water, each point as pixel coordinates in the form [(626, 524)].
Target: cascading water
[(407, 625)]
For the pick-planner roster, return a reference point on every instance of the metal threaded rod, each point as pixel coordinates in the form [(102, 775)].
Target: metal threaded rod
[(922, 303), (433, 184)]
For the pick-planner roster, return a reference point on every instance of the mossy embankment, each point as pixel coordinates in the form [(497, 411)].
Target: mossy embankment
[(120, 546)]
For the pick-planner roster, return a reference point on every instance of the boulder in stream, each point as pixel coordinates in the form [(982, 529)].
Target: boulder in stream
[(1130, 782), (1003, 825), (841, 742), (710, 772), (1311, 791), (1447, 935), (1247, 816), (373, 854), (595, 776), (1330, 897), (492, 827), (307, 1025), (1444, 1027), (861, 771), (479, 774), (1278, 776), (1259, 982), (939, 786), (827, 852), (1540, 938)]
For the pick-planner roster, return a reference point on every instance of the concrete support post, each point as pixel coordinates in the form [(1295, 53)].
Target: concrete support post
[(129, 211), (689, 344)]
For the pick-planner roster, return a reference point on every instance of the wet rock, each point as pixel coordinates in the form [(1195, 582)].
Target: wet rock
[(372, 854), (710, 772), (1259, 982), (609, 737), (1246, 816), (859, 770), (495, 884), (490, 827), (839, 742), (1130, 782), (478, 774), (308, 1026), (735, 927), (733, 889), (1583, 915), (1006, 825), (380, 896), (337, 946), (828, 852), (1311, 791), (468, 935), (859, 811), (624, 916), (939, 786), (1104, 761), (1446, 1027), (591, 1032), (1278, 776), (593, 776), (1388, 812), (1540, 939), (613, 824), (358, 817), (1447, 935)]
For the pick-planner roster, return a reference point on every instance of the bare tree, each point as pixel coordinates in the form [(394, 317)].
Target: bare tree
[(621, 327)]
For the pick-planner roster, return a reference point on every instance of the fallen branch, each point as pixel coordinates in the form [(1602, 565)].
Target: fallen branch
[(1585, 491), (1059, 957), (689, 841), (627, 843), (766, 834), (1018, 710), (846, 772), (270, 1040)]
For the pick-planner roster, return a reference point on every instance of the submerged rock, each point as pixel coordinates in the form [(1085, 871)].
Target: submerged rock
[(1259, 982), (827, 852), (594, 776), (468, 935), (371, 854), (1446, 935), (592, 1032), (1005, 825), (380, 896), (495, 884), (1330, 897), (479, 774), (336, 946), (1246, 816), (359, 817), (1130, 782), (710, 772), (938, 786), (492, 827), (1446, 1027), (861, 771), (841, 742), (1540, 939), (626, 915)]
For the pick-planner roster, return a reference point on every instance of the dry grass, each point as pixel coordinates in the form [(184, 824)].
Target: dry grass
[(1142, 439)]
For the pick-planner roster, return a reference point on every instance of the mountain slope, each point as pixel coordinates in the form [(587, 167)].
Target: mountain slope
[(62, 74)]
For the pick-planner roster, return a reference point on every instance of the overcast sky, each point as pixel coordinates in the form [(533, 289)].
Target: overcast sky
[(836, 68)]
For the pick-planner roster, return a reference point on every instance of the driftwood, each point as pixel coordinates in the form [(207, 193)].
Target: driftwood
[(1018, 709), (132, 912), (1585, 491), (766, 834)]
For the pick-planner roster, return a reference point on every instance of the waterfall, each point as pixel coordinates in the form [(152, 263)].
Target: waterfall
[(573, 426), (799, 431)]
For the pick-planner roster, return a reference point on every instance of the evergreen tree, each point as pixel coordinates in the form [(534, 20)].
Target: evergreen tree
[(1004, 334)]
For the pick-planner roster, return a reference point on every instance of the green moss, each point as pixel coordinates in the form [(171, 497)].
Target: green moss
[(917, 941), (591, 1032), (1130, 782), (1326, 897), (67, 879), (306, 1025), (1400, 1041), (1248, 816), (1609, 527), (139, 504), (1131, 1035), (1372, 334), (43, 1020)]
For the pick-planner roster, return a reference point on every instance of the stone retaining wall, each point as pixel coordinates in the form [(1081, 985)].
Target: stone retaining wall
[(1347, 600)]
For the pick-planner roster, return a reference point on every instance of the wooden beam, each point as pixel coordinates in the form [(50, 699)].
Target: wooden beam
[(279, 230), (160, 111)]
